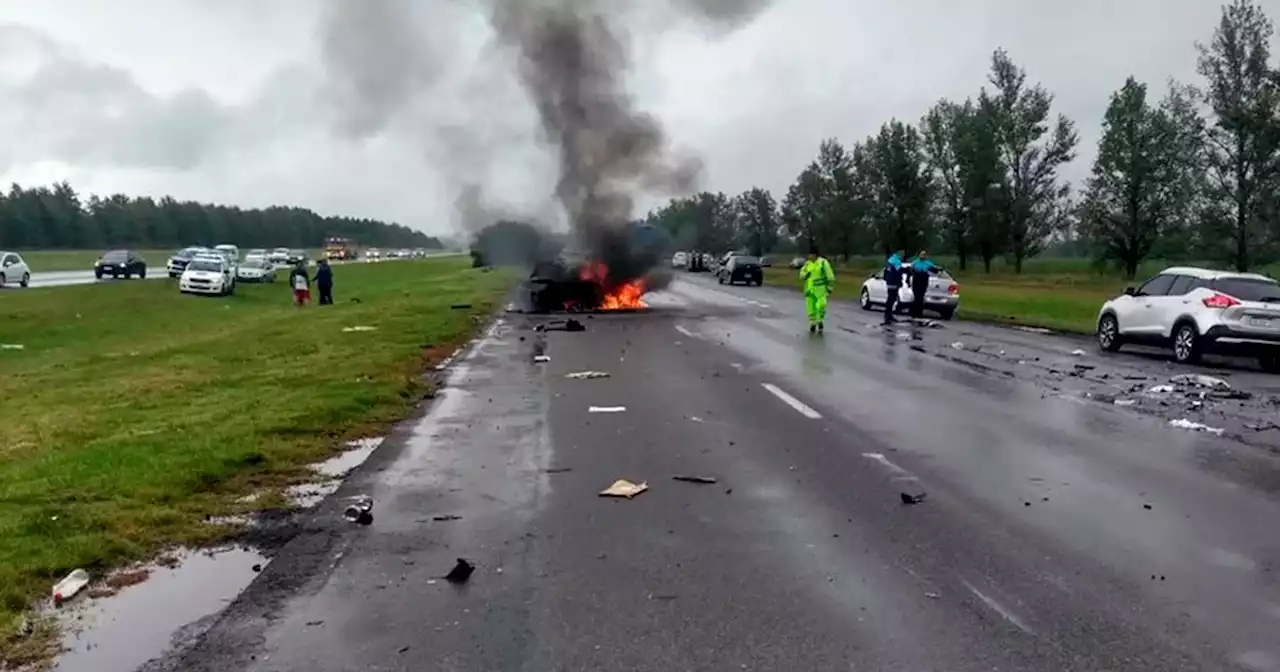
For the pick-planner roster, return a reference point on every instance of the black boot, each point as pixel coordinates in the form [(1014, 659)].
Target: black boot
[(813, 328), (821, 327)]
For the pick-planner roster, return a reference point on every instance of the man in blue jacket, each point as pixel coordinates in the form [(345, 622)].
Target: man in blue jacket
[(892, 284), (921, 269)]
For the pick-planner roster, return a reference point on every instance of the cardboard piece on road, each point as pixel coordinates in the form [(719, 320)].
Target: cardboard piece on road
[(624, 488)]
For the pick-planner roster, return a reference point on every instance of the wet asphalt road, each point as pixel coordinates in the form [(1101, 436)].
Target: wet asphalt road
[(1061, 531), (70, 278)]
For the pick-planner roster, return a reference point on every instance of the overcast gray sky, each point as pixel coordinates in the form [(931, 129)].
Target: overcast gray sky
[(238, 101)]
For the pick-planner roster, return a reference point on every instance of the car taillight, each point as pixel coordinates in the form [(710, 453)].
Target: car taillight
[(1220, 301), (953, 289)]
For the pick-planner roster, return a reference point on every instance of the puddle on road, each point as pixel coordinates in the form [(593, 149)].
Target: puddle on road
[(142, 622), (332, 470)]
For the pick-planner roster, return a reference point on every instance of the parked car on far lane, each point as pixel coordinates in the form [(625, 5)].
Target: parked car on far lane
[(279, 256), (740, 268), (942, 297), (14, 270), (296, 257), (797, 263), (1196, 311), (120, 264), (256, 269)]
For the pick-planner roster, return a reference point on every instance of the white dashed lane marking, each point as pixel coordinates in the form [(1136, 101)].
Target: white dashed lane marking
[(799, 406)]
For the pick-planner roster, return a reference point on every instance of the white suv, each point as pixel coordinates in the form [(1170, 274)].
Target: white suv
[(1197, 311)]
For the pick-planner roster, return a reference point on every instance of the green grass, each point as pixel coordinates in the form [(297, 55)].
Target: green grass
[(1060, 294), (132, 412), (44, 261)]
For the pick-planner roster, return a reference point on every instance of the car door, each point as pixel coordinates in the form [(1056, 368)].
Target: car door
[(9, 266), (1174, 304), (1141, 314), (876, 287)]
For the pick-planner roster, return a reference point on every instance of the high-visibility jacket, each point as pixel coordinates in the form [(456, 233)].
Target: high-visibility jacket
[(817, 276)]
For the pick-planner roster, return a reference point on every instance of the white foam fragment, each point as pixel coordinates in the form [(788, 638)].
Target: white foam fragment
[(1182, 423)]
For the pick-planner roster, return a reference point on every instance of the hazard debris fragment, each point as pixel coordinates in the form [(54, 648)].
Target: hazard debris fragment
[(624, 488), (694, 479), (586, 375)]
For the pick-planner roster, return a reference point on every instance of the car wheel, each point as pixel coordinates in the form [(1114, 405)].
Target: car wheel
[(1270, 363), (946, 314), (1186, 344), (865, 299), (2, 280), (97, 276), (1109, 334), (26, 280), (142, 275)]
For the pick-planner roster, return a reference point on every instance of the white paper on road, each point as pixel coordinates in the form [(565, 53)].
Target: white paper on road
[(1200, 380), (624, 488), (1182, 423), (607, 409)]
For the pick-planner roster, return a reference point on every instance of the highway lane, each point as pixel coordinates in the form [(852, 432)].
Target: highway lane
[(1058, 533)]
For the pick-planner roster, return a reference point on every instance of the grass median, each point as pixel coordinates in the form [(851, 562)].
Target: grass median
[(1059, 294), (132, 412)]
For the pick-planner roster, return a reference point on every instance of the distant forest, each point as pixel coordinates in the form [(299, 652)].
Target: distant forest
[(56, 218)]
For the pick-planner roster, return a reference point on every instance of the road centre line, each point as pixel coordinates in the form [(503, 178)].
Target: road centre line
[(799, 406)]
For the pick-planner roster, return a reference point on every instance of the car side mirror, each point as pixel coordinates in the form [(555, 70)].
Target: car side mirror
[(1130, 291)]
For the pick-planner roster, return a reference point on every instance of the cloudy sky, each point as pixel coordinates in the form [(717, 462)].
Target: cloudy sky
[(342, 107)]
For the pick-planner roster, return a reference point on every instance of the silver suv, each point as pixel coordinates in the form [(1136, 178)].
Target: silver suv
[(1197, 311)]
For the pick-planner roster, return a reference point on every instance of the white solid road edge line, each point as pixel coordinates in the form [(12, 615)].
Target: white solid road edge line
[(799, 406)]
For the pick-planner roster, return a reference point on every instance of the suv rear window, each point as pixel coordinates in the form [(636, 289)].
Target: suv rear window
[(1248, 289), (743, 260)]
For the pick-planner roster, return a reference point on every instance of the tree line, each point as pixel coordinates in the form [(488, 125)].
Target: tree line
[(1194, 173), (55, 217)]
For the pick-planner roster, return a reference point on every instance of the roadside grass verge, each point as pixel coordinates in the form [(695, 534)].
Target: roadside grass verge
[(132, 412), (46, 261)]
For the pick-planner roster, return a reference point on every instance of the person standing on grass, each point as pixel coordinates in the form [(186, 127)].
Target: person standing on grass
[(324, 282), (301, 283), (892, 284), (819, 280), (921, 269)]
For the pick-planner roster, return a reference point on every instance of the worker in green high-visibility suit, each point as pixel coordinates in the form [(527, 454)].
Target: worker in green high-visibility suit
[(819, 280)]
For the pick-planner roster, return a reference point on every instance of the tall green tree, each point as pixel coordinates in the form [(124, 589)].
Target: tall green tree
[(942, 129), (757, 221), (801, 209), (898, 184), (838, 209), (1031, 154), (1244, 136), (1138, 179)]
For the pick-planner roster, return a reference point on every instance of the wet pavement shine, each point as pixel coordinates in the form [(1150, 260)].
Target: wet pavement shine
[(1068, 524)]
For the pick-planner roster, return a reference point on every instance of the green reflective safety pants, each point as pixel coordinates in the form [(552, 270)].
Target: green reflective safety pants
[(815, 304)]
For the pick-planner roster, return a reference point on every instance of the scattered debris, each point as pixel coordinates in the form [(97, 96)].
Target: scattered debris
[(586, 375), (606, 409), (1161, 389), (908, 498), (359, 328), (12, 346), (1078, 352), (1196, 426), (694, 479), (1084, 367), (957, 345), (932, 596), (557, 470), (1033, 330), (69, 586), (1200, 380), (460, 306), (460, 572), (360, 510), (624, 488), (1125, 402), (541, 359), (256, 569), (918, 348), (1146, 506), (445, 518), (1262, 426), (574, 325)]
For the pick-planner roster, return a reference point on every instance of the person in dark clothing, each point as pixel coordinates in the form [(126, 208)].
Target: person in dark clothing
[(921, 268), (300, 282), (324, 282), (892, 284)]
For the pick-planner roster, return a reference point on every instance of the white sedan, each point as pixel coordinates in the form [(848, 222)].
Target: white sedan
[(13, 270), (942, 297), (208, 275), (256, 269)]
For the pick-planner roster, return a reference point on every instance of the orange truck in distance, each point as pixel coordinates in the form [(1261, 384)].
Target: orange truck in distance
[(339, 249)]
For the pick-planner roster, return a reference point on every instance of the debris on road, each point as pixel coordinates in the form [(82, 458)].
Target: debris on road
[(460, 572), (359, 328), (932, 596), (1033, 330), (1078, 352), (586, 375), (1183, 423), (694, 479), (12, 346), (1262, 426), (445, 518), (460, 306), (624, 488), (908, 498), (1161, 389), (360, 510), (70, 585), (567, 325), (606, 409), (557, 470), (1125, 402), (541, 359), (957, 345), (1200, 380)]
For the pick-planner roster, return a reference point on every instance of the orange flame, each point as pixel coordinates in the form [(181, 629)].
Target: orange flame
[(625, 296)]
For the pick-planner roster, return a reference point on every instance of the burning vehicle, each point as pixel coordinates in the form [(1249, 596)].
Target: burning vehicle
[(614, 278)]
